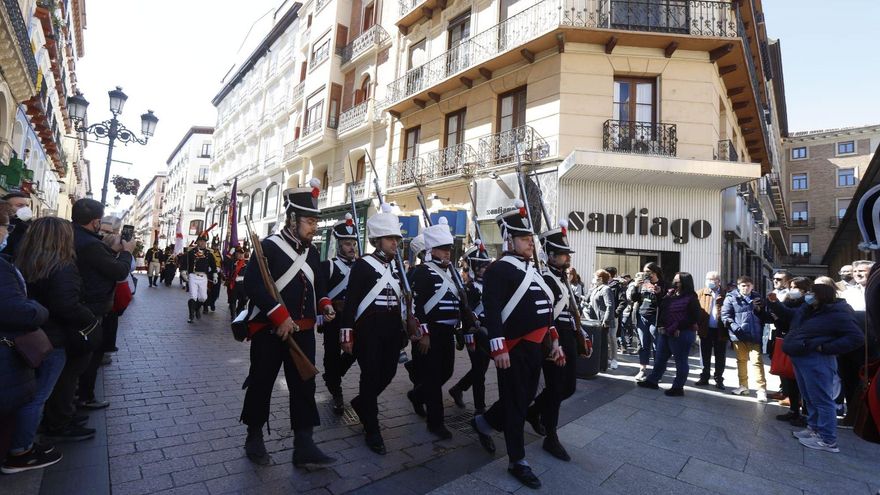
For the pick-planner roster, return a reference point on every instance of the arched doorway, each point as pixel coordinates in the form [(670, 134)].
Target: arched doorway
[(363, 93)]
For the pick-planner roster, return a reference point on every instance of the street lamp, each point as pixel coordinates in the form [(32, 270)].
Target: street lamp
[(116, 200), (112, 129), (89, 194)]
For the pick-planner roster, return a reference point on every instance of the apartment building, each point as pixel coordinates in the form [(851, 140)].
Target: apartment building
[(822, 170), (42, 41), (146, 212), (654, 127), (186, 197)]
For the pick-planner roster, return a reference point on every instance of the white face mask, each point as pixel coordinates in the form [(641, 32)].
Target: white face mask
[(24, 213), (795, 294), (595, 280)]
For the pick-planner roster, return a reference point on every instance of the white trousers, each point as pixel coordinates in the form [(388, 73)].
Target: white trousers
[(198, 286), (154, 270)]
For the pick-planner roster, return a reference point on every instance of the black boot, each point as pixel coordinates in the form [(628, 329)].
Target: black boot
[(418, 407), (457, 396), (533, 416), (192, 310), (305, 452), (552, 445), (197, 306), (254, 447), (338, 404)]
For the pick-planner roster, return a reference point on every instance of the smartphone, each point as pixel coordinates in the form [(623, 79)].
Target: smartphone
[(127, 232)]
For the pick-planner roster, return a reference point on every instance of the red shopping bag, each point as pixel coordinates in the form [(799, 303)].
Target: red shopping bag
[(780, 363)]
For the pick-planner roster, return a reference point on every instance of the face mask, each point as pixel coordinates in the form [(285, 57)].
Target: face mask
[(847, 278), (794, 294), (595, 280), (809, 299), (676, 285), (24, 214), (711, 284)]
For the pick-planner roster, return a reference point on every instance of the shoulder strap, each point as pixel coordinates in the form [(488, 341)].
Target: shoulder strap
[(345, 270), (386, 279), (299, 265), (440, 293)]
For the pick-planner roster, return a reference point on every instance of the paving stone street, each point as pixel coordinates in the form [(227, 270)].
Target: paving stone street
[(172, 427)]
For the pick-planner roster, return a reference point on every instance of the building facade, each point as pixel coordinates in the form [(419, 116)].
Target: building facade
[(822, 172), (613, 107), (186, 196), (41, 41), (146, 212)]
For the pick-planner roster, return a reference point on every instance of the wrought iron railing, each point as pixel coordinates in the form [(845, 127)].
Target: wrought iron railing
[(322, 198), (374, 36), (21, 35), (312, 127), (645, 138), (402, 172), (297, 93), (354, 116), (501, 148), (359, 189), (727, 151), (290, 149), (802, 222), (686, 17), (753, 75), (439, 164)]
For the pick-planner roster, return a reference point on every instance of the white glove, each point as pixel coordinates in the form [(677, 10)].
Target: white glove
[(185, 276)]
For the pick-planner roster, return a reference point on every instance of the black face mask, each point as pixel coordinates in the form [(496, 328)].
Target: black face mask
[(848, 278), (676, 285)]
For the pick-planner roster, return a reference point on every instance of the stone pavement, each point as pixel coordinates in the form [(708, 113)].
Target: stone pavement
[(172, 427)]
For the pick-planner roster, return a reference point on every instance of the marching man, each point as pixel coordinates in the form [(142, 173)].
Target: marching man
[(519, 318), (199, 266), (235, 292), (477, 260), (336, 271), (293, 263), (560, 381), (154, 259), (372, 320)]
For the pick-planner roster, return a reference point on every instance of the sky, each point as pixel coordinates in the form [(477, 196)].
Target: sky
[(170, 57)]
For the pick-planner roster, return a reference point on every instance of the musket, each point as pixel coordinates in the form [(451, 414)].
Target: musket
[(304, 366), (467, 314), (410, 323), (354, 215), (472, 194), (583, 348), (525, 199)]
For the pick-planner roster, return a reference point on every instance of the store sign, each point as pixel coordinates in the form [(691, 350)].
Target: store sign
[(409, 226), (457, 220), (639, 223)]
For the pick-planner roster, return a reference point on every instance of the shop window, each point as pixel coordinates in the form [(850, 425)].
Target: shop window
[(799, 153), (846, 148), (846, 177), (800, 244), (799, 182)]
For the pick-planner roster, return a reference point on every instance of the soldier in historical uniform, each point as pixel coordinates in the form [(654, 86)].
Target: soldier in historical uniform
[(214, 285), (560, 382), (170, 266), (476, 260), (437, 307), (293, 263), (200, 267), (372, 320), (337, 271), (235, 293), (519, 320), (154, 259), (417, 248)]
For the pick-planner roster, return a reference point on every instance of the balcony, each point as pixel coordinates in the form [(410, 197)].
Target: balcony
[(371, 38), (355, 117), (296, 95), (359, 189), (319, 56), (499, 149), (290, 150), (727, 151), (197, 208), (322, 198), (806, 258), (437, 165), (800, 223), (411, 11), (17, 57), (312, 127), (644, 138)]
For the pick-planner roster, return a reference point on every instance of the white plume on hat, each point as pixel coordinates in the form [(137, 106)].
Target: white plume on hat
[(384, 223), (438, 234)]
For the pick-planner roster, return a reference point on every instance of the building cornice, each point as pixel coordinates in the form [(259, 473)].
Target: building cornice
[(192, 130), (803, 136)]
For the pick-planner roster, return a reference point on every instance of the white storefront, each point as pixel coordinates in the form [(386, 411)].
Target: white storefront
[(625, 210)]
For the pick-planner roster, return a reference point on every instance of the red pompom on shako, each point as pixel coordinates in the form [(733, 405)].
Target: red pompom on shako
[(563, 225), (522, 207), (349, 220), (316, 187)]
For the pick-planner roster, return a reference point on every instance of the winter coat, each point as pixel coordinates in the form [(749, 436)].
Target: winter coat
[(62, 293), (708, 303), (832, 326), (678, 313), (744, 322), (100, 269), (602, 304)]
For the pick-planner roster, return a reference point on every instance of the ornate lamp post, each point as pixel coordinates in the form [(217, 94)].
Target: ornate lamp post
[(111, 129)]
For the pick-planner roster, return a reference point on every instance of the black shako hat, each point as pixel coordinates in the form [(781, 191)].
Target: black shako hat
[(303, 201), (515, 222), (345, 229), (476, 255), (556, 241)]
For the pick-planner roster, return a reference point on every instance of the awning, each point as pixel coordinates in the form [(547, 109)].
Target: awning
[(629, 168)]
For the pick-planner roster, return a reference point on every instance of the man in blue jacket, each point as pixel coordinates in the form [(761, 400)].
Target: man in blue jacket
[(744, 316)]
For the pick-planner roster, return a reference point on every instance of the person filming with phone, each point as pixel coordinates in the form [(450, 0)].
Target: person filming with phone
[(744, 314)]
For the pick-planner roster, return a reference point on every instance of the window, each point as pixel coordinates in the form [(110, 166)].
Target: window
[(799, 212), (257, 205), (842, 205), (206, 150), (846, 177), (458, 31), (272, 201), (243, 208), (196, 227), (203, 175), (361, 169), (634, 100), (416, 56), (798, 182), (411, 141), (846, 148), (799, 153), (200, 201), (512, 109), (454, 128), (314, 112), (320, 51), (368, 17), (800, 244)]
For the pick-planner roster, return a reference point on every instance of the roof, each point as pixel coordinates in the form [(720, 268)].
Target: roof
[(192, 130), (277, 30), (847, 229), (150, 184), (835, 130)]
